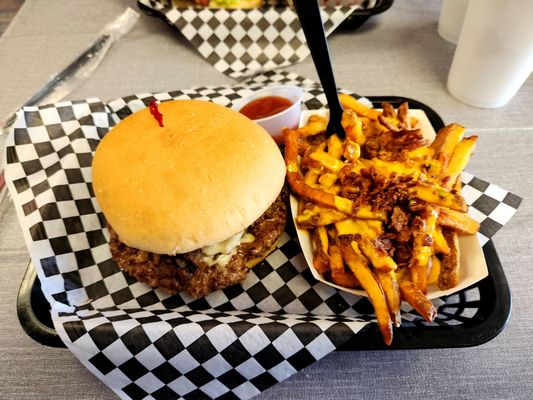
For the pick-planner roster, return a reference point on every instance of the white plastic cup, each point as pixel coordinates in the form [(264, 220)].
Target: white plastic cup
[(288, 118), (452, 15), (494, 55)]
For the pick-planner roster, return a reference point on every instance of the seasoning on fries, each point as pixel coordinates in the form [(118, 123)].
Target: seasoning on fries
[(383, 207)]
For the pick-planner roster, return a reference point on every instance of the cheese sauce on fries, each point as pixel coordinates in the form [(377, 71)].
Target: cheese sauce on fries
[(383, 206)]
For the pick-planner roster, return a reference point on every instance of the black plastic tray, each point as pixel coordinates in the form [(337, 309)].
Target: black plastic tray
[(470, 317), (354, 21)]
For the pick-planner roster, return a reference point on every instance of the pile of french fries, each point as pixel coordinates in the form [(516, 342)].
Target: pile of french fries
[(388, 223)]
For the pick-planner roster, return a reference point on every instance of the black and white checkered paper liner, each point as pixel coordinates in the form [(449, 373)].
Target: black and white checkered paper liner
[(242, 42), (142, 343)]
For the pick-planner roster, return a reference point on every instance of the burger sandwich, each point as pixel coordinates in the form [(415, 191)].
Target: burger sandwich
[(193, 199)]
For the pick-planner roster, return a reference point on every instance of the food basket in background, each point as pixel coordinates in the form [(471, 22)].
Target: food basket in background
[(244, 42)]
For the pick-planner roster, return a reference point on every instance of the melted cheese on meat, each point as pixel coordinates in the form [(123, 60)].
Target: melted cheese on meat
[(221, 253)]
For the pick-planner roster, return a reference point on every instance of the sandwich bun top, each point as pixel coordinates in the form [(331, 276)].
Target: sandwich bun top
[(204, 176)]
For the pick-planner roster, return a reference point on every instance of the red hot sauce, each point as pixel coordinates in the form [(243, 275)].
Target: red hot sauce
[(265, 107)]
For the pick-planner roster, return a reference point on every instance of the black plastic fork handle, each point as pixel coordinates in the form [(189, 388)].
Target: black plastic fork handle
[(311, 22)]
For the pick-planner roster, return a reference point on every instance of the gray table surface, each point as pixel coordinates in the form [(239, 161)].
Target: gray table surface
[(397, 53)]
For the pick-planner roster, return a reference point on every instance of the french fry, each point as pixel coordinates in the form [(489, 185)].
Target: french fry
[(321, 259), (334, 145), (449, 266), (390, 287), (311, 176), (339, 275), (439, 243), (327, 180), (351, 103), (313, 216), (358, 227), (367, 231), (379, 260), (422, 249), (434, 271), (387, 168), (358, 265), (445, 142), (326, 160), (315, 125), (352, 151), (437, 195), (460, 157), (353, 127), (458, 221), (418, 300)]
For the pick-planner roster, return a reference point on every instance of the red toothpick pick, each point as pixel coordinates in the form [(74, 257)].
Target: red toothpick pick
[(155, 112)]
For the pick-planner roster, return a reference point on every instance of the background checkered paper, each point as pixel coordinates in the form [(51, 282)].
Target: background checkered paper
[(141, 342), (242, 42)]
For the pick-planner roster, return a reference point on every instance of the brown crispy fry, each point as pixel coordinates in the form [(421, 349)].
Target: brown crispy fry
[(358, 265), (445, 142), (339, 275), (418, 300), (458, 221), (390, 287), (321, 244), (449, 266)]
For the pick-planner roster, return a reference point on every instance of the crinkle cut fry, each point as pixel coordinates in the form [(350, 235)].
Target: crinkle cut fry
[(358, 265)]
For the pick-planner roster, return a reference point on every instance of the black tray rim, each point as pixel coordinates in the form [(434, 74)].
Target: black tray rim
[(495, 313)]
